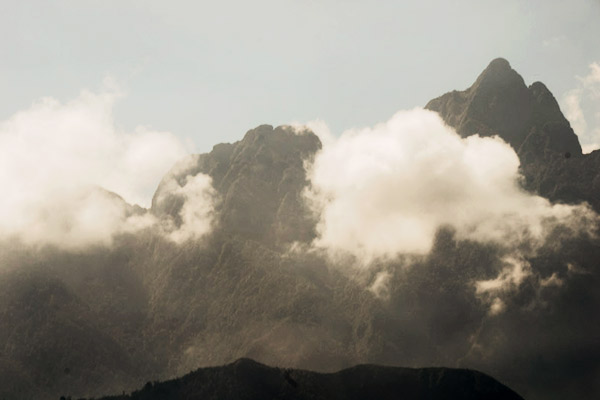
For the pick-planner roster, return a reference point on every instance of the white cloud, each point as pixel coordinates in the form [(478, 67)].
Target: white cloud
[(591, 81), (585, 97), (54, 156), (71, 217), (573, 111), (384, 191), (197, 212), (318, 127), (589, 147)]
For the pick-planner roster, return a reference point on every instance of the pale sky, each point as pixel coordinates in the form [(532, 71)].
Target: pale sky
[(209, 71)]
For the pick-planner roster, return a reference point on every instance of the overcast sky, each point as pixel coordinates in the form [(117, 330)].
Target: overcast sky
[(209, 71)]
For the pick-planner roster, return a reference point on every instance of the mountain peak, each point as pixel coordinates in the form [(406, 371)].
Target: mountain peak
[(539, 87), (499, 64), (264, 172), (499, 74), (500, 103)]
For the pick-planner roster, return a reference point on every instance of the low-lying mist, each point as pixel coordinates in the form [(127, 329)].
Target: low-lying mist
[(71, 174)]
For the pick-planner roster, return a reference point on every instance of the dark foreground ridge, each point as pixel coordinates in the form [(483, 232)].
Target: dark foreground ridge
[(248, 379)]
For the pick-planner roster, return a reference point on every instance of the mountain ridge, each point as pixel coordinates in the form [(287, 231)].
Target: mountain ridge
[(248, 379)]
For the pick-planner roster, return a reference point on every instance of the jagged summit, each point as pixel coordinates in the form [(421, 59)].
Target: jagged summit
[(500, 103), (499, 63), (499, 72)]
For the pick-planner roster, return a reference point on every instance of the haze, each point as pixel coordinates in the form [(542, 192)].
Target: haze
[(209, 71)]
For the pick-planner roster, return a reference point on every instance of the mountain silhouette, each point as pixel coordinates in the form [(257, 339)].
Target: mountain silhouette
[(247, 379)]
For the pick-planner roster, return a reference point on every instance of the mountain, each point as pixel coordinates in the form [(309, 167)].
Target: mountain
[(260, 180), (529, 119), (499, 103), (104, 319), (247, 379)]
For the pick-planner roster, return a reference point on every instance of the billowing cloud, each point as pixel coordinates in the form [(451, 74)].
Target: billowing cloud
[(585, 97), (60, 161), (384, 191)]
